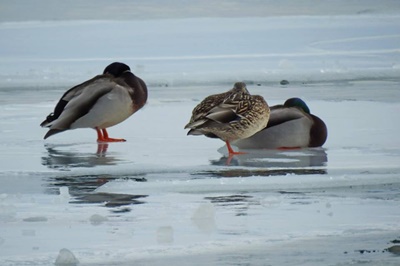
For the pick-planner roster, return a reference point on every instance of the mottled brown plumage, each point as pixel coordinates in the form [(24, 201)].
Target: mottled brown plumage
[(211, 101), (230, 116)]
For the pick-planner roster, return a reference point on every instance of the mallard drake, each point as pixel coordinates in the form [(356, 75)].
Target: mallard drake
[(229, 116), (290, 125), (99, 103)]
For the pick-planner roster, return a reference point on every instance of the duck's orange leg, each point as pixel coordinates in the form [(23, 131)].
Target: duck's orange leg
[(102, 136), (231, 151)]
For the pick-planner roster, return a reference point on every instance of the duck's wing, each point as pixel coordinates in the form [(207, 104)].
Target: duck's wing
[(79, 101), (204, 107), (67, 96), (219, 115), (280, 114), (223, 113), (216, 116)]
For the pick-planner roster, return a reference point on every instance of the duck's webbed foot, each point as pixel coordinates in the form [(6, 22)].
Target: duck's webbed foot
[(102, 136)]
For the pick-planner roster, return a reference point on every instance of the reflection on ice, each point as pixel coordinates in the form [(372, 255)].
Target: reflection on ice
[(81, 189), (241, 203), (274, 162), (109, 199), (77, 185), (237, 172), (59, 159)]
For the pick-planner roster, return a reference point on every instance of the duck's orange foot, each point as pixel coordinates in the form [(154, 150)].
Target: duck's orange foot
[(232, 155), (102, 136), (232, 152)]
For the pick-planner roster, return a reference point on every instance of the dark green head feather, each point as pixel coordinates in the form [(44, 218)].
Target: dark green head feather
[(297, 102)]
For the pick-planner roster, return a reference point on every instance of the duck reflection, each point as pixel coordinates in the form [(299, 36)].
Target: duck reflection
[(274, 162), (81, 190), (110, 199), (241, 203), (57, 158)]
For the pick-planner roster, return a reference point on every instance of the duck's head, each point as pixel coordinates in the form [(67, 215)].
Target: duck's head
[(297, 102), (116, 69), (240, 87)]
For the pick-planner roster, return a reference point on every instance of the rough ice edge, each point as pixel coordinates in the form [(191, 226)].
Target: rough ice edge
[(126, 256), (242, 185)]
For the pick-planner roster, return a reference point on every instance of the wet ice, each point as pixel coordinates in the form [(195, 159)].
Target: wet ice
[(163, 198)]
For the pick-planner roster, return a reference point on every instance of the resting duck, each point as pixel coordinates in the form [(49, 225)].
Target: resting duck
[(99, 103), (290, 126), (229, 116)]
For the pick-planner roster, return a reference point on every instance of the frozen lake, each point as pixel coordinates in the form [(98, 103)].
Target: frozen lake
[(163, 198)]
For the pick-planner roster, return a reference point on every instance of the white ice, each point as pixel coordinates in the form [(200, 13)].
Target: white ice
[(164, 198)]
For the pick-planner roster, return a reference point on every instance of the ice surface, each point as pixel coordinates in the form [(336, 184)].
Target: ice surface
[(202, 51), (164, 198), (204, 217), (165, 235)]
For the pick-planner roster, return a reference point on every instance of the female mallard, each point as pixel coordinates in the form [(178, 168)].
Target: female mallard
[(229, 116), (99, 103), (290, 125)]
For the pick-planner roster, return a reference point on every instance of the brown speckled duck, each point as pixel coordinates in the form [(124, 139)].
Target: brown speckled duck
[(99, 103), (229, 116)]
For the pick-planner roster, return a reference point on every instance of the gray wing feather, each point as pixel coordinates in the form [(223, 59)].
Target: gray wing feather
[(81, 101), (284, 114)]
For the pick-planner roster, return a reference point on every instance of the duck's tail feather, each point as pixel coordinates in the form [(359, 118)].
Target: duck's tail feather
[(196, 132), (50, 118), (52, 132)]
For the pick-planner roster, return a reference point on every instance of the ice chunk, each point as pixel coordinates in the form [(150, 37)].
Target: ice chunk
[(165, 235), (97, 219), (66, 258), (204, 217)]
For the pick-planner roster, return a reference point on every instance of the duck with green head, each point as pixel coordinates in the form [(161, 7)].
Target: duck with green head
[(99, 103), (290, 126)]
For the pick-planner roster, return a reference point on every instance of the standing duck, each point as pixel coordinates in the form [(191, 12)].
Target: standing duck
[(290, 126), (229, 116), (99, 103)]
